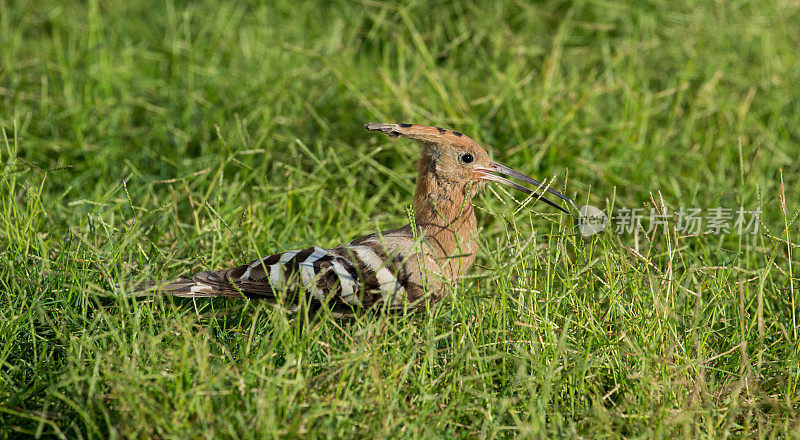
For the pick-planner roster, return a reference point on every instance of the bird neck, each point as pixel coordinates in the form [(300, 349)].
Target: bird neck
[(445, 216)]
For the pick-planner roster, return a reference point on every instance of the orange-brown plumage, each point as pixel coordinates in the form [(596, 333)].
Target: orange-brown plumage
[(402, 268)]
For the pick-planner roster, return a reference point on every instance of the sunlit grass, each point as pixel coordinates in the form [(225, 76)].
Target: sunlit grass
[(148, 140)]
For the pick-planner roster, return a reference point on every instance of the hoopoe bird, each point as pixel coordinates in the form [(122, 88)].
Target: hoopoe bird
[(405, 268)]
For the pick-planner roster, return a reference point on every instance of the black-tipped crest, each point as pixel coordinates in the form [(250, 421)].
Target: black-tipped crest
[(422, 133), (488, 171)]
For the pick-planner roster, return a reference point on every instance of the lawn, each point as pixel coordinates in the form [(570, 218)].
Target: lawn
[(154, 139)]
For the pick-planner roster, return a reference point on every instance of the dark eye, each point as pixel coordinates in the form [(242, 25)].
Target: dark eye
[(467, 158)]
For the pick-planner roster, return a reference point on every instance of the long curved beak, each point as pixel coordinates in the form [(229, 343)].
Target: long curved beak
[(495, 168)]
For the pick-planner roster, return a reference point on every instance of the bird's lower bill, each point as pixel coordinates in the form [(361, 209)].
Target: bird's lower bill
[(491, 174)]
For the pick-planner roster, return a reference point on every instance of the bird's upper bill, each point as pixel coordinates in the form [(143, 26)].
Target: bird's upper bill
[(479, 167), (491, 172)]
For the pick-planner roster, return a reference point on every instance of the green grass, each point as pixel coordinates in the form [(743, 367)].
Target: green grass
[(151, 139)]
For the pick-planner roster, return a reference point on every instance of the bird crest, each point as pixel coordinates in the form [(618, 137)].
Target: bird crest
[(455, 157)]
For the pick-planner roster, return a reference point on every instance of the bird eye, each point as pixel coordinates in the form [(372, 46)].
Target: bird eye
[(467, 158)]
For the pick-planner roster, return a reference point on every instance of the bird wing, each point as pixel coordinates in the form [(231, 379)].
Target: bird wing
[(352, 276)]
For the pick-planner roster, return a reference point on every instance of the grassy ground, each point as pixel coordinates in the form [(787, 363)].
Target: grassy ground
[(150, 139)]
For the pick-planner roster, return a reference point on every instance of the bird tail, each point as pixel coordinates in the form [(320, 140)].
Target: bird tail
[(182, 287)]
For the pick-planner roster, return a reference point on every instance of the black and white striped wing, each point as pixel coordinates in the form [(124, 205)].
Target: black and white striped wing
[(351, 276)]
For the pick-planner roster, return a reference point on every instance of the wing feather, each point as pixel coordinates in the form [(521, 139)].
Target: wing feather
[(353, 276)]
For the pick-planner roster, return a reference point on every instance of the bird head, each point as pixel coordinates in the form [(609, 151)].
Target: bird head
[(456, 158)]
